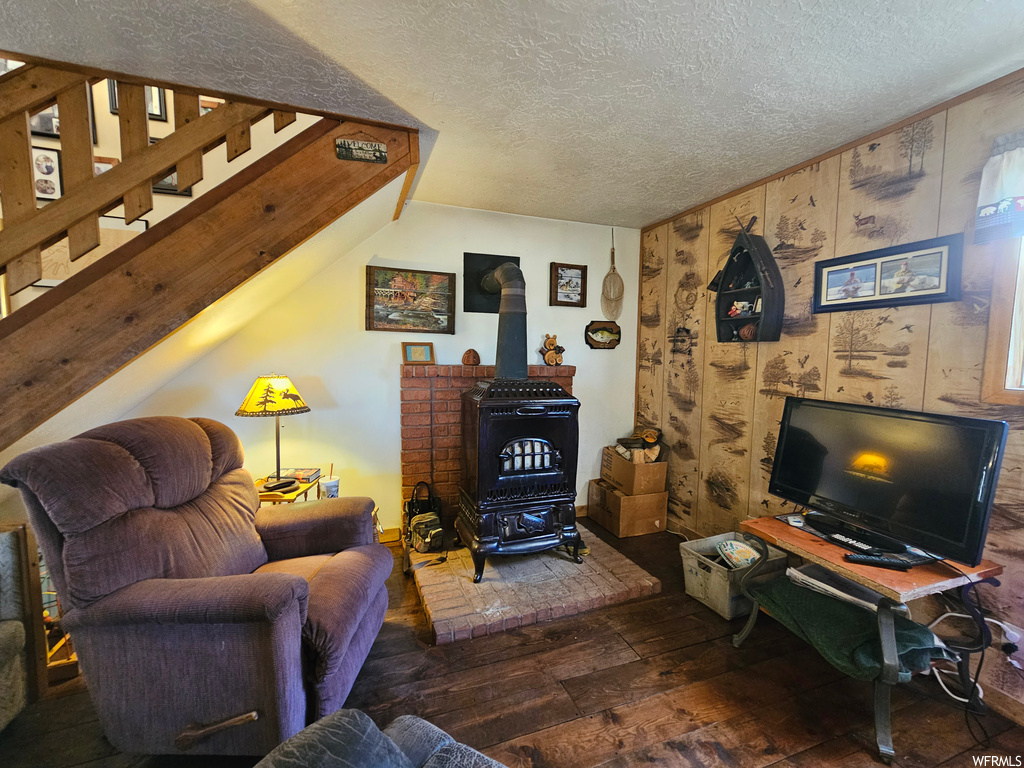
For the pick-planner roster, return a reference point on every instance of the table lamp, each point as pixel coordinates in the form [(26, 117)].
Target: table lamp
[(273, 395)]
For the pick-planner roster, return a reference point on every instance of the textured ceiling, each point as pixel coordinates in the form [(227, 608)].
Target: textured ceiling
[(610, 111)]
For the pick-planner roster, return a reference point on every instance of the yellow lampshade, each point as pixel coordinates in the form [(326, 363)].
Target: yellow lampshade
[(272, 395)]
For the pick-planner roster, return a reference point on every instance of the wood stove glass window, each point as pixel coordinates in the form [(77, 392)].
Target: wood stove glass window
[(527, 455)]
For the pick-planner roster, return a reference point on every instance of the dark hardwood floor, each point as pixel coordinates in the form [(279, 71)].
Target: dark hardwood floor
[(651, 682)]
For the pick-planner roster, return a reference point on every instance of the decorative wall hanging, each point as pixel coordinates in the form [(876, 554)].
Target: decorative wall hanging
[(1000, 213), (47, 122), (602, 334), (417, 353), (156, 101), (474, 267), (612, 290), (751, 298), (568, 285), (49, 176), (551, 350), (924, 272), (410, 300)]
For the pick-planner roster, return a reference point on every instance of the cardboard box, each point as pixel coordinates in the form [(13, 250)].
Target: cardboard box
[(625, 515), (633, 479)]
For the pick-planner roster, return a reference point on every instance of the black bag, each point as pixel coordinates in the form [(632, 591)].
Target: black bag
[(423, 530)]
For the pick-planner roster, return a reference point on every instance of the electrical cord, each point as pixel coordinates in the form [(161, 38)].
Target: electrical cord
[(977, 612)]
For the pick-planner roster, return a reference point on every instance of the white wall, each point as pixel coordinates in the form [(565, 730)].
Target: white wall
[(350, 376)]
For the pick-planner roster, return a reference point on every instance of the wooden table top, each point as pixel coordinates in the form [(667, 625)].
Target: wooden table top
[(902, 586), (291, 496)]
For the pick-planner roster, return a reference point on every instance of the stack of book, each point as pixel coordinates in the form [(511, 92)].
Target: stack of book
[(302, 474)]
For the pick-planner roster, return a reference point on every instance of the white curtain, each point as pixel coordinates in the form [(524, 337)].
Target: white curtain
[(1000, 212)]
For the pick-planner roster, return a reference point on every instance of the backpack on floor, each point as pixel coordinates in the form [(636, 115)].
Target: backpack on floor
[(423, 522)]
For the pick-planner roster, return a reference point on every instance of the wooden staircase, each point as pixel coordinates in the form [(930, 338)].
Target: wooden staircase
[(63, 343)]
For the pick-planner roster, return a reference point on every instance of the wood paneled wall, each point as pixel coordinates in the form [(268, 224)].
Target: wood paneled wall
[(720, 404)]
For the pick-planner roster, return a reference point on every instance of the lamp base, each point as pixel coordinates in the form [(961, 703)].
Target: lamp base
[(279, 486)]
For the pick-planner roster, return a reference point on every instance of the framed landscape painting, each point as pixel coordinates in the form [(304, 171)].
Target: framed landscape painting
[(410, 300)]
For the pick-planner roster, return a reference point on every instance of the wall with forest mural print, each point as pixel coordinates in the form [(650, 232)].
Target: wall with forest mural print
[(719, 404)]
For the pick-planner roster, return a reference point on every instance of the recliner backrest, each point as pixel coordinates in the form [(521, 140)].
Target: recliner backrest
[(160, 497)]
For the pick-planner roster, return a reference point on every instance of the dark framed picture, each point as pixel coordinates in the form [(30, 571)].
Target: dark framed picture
[(568, 285), (169, 184), (924, 272), (417, 353), (602, 334), (410, 300), (47, 122), (49, 176), (156, 101)]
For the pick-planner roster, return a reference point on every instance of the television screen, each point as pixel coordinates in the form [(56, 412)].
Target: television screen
[(924, 479)]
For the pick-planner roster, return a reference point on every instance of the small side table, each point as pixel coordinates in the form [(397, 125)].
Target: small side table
[(287, 498)]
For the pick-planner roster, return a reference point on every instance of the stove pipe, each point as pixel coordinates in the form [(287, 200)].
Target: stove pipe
[(510, 361)]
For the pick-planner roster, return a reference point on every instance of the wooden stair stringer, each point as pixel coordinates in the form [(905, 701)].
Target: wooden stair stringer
[(67, 341)]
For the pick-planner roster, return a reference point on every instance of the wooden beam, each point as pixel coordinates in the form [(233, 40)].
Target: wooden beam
[(414, 160), (76, 145), (133, 119), (107, 188), (23, 265), (64, 343), (30, 88), (239, 140), (190, 167), (282, 120)]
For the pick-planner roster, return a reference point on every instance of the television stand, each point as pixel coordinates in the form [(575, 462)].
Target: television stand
[(852, 538), (898, 586)]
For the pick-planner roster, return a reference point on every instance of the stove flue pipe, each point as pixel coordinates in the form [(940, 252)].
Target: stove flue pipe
[(510, 361)]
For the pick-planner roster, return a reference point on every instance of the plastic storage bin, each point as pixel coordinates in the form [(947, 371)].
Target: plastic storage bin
[(715, 584)]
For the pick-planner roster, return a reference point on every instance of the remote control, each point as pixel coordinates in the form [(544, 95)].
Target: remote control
[(878, 561)]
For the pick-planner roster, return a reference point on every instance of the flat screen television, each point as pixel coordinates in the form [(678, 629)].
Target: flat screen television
[(924, 479)]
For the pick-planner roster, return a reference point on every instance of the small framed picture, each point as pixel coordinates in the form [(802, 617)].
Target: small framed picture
[(924, 272), (418, 353), (168, 185), (49, 176), (156, 101), (47, 122), (103, 164), (568, 285)]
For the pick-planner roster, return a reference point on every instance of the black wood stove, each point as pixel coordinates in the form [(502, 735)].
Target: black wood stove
[(520, 442)]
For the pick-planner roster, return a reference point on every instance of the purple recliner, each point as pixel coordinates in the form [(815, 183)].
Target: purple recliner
[(191, 607)]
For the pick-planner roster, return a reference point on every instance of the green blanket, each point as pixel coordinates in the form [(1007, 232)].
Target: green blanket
[(847, 635)]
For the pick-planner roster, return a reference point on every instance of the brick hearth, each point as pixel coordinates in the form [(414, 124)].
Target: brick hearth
[(432, 422)]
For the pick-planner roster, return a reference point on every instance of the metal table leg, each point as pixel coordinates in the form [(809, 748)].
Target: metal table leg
[(889, 677)]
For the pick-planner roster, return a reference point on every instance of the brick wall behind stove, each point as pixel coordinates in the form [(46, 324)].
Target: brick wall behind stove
[(432, 422)]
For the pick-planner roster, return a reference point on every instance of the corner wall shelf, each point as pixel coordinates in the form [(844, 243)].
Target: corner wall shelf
[(751, 299)]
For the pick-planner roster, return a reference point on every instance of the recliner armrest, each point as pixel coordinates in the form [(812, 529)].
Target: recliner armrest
[(252, 597), (315, 527)]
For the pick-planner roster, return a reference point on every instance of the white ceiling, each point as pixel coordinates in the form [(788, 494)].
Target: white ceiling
[(616, 112)]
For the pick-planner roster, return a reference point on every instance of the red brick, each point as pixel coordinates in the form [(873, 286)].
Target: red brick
[(463, 382), (414, 444), (440, 429), (535, 370), (415, 394), (447, 442), (446, 418), (413, 478), (446, 465), (409, 432), (488, 371), (430, 371), (416, 383), (408, 457), (415, 407), (407, 371), (440, 407), (455, 429), (446, 394), (414, 468), (444, 370), (415, 420)]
